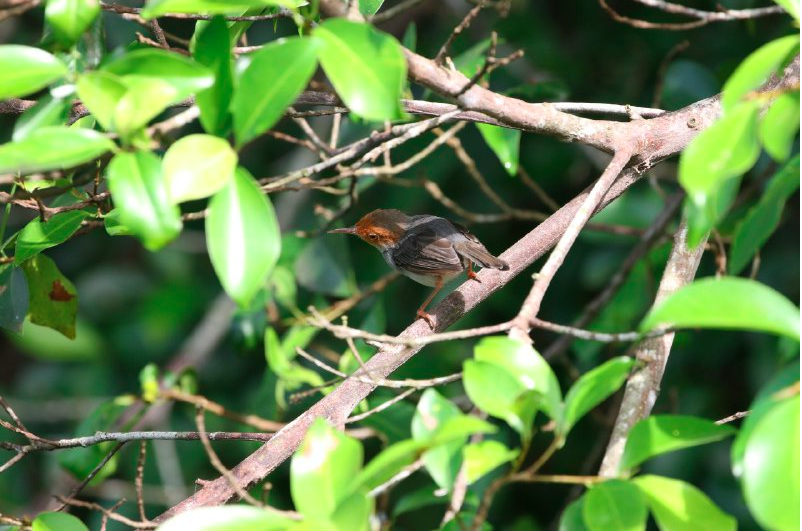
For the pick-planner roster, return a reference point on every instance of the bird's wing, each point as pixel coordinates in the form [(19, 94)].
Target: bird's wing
[(424, 252)]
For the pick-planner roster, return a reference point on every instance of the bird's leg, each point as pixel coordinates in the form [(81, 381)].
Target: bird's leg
[(421, 311), (471, 273)]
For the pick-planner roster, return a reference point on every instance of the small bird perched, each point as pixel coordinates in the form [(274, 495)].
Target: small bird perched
[(428, 249)]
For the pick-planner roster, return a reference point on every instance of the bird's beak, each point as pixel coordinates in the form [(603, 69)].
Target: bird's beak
[(344, 230)]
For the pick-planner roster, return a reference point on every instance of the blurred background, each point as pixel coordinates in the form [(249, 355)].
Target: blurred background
[(139, 308)]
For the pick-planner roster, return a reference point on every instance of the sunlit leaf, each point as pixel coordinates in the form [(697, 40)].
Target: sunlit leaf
[(353, 513), (70, 18), (27, 69), (227, 518), (497, 392), (432, 413), (614, 504), (288, 64), (366, 67), (37, 236), (389, 462), (197, 166), (157, 8), (659, 434), (57, 522), (505, 143), (53, 298), (48, 111), (139, 192), (243, 237), (780, 126), (485, 456), (679, 506), (53, 148), (792, 6), (213, 50), (184, 74), (729, 303), (755, 69), (592, 388), (762, 219), (572, 519)]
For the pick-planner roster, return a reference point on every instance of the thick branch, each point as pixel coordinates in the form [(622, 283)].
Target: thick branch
[(643, 386)]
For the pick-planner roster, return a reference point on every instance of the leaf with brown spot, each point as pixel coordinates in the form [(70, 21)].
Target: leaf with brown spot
[(53, 299)]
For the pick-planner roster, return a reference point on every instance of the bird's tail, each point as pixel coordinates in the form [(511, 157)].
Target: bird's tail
[(478, 254)]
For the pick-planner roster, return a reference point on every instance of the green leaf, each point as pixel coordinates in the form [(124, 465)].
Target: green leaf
[(279, 358), (323, 470), (792, 6), (48, 111), (213, 50), (485, 456), (505, 143), (571, 519), (614, 504), (81, 461), (721, 152), (756, 69), (139, 192), (592, 388), (197, 166), (780, 126), (227, 518), (679, 506), (366, 67), (728, 303), (443, 461), (660, 434), (53, 148), (369, 7), (243, 237), (458, 428), (157, 8), (288, 64), (57, 522), (762, 219), (13, 298), (37, 236), (53, 298), (100, 92), (527, 366), (497, 392), (770, 476), (27, 69), (388, 463), (184, 74), (70, 18), (353, 513)]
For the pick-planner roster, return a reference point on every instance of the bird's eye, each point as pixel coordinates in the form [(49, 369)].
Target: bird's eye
[(373, 236)]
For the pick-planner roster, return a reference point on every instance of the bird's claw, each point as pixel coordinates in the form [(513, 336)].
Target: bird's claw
[(473, 276), (426, 317)]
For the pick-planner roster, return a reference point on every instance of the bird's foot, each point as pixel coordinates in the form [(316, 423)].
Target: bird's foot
[(429, 318), (472, 275)]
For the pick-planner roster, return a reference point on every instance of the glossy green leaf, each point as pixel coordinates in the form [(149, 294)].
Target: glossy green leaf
[(458, 428), (614, 504), (780, 125), (388, 463), (243, 237), (53, 148), (497, 392), (157, 8), (70, 18), (213, 50), (756, 69), (485, 456), (725, 150), (572, 519), (140, 194), (505, 143), (13, 298), (48, 111), (679, 506), (323, 470), (369, 7), (37, 236), (288, 64), (144, 99), (113, 225), (57, 522), (27, 69), (528, 367), (770, 478), (366, 67), (728, 303), (53, 298), (443, 461), (279, 359), (702, 217), (763, 219), (184, 74), (792, 6), (227, 518), (592, 388), (353, 513), (660, 434), (81, 461), (100, 92), (197, 166)]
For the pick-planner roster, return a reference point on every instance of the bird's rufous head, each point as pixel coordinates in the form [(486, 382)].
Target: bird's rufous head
[(381, 228)]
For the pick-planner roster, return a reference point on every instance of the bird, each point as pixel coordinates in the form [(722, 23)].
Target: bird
[(428, 249)]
